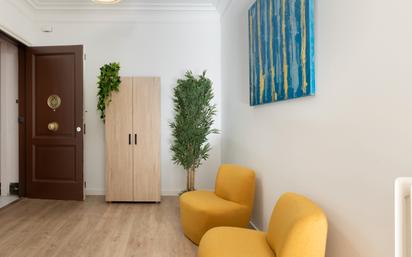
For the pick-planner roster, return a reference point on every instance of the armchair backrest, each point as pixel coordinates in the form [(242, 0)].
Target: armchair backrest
[(298, 227), (236, 183)]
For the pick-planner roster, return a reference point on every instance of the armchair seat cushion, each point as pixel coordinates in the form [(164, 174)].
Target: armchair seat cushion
[(203, 210), (234, 242), (298, 228)]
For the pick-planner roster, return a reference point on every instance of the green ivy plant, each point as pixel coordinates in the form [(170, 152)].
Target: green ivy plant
[(194, 118), (109, 81)]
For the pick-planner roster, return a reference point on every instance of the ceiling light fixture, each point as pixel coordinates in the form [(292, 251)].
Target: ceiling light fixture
[(106, 1)]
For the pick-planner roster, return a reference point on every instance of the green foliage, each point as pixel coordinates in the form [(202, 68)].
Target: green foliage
[(109, 81), (193, 120)]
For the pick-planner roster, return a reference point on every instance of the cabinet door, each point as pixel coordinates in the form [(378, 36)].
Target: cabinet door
[(146, 129), (119, 147)]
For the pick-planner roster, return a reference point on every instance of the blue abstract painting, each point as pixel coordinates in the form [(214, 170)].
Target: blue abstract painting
[(281, 35)]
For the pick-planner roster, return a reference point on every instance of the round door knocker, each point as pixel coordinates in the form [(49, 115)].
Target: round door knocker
[(54, 102)]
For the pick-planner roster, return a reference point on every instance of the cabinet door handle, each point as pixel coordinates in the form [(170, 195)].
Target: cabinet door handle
[(135, 139), (130, 139)]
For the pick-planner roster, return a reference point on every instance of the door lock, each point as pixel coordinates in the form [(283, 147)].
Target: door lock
[(78, 129), (53, 126)]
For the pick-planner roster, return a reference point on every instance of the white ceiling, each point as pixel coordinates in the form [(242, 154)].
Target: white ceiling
[(203, 5)]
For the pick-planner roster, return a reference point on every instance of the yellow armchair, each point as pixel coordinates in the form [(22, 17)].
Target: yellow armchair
[(230, 205), (297, 228)]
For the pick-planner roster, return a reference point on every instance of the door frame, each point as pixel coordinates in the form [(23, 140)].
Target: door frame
[(22, 111), (22, 108)]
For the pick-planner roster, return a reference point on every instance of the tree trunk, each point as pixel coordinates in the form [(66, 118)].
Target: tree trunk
[(191, 179), (188, 180)]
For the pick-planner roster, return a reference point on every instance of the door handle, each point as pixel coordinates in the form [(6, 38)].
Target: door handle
[(130, 139), (135, 139), (53, 126)]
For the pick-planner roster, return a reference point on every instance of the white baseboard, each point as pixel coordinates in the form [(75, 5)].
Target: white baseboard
[(93, 191), (253, 225), (170, 192)]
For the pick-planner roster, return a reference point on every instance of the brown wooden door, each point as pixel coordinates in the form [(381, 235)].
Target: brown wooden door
[(54, 133)]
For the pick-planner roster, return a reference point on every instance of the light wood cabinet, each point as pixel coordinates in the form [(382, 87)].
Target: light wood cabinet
[(133, 141)]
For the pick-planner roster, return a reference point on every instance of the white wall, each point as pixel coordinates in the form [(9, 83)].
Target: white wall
[(9, 137), (164, 47), (345, 146), (17, 23)]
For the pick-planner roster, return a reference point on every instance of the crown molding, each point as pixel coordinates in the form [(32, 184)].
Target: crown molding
[(222, 6), (72, 11), (155, 17), (125, 5)]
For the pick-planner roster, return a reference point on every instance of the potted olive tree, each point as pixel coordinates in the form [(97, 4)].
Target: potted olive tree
[(194, 118)]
